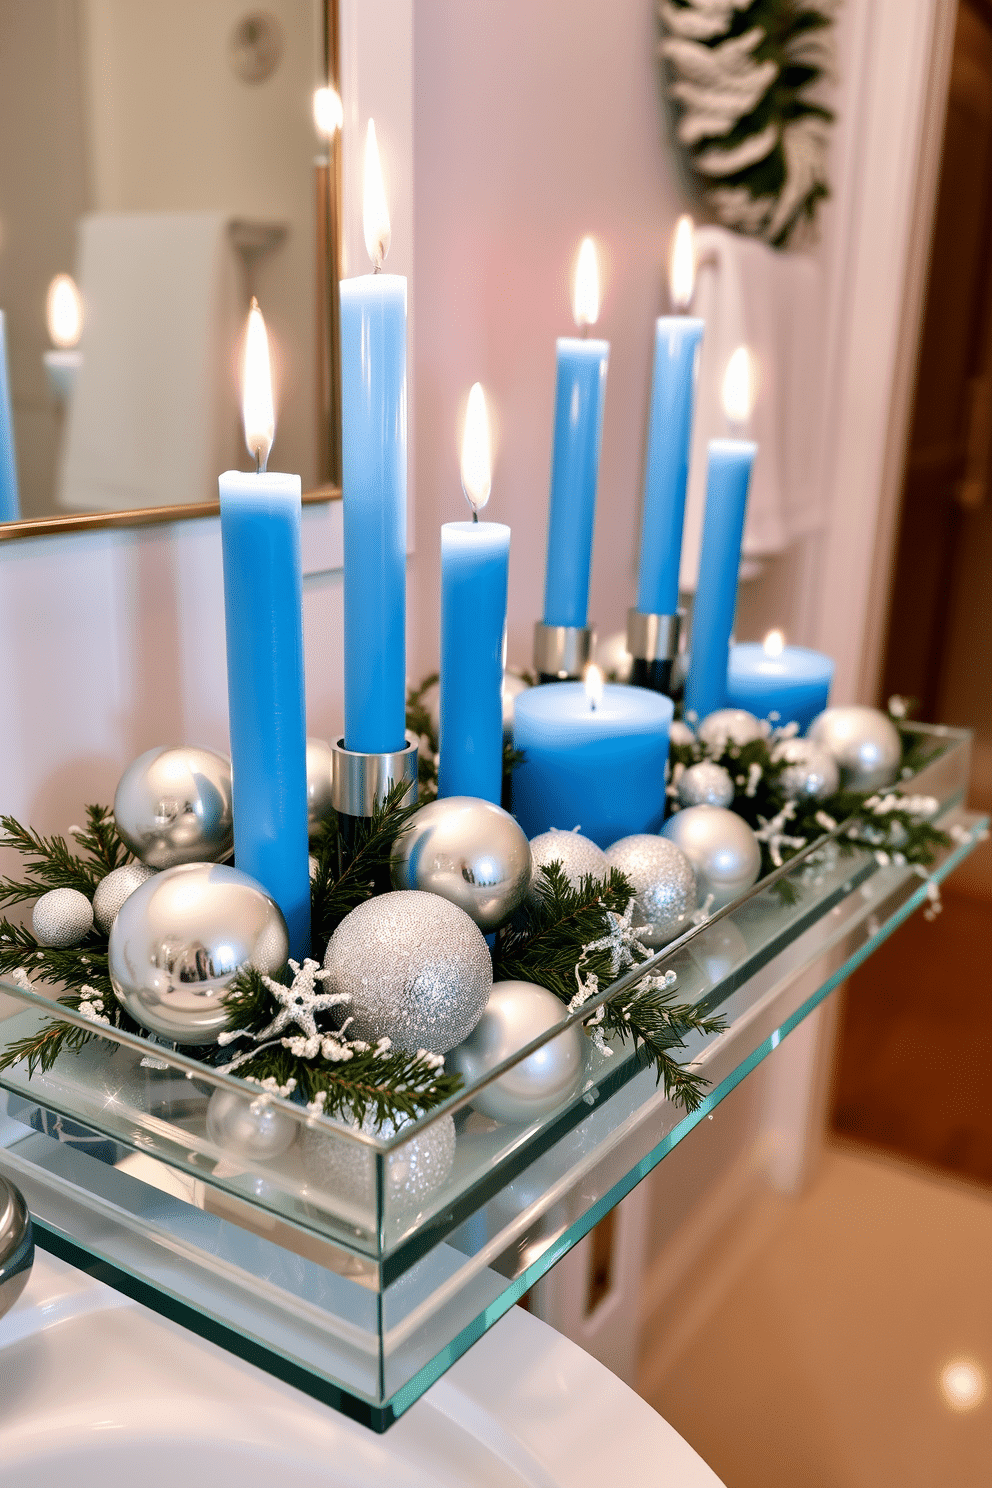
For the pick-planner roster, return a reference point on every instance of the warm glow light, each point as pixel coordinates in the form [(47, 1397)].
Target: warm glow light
[(376, 213), (585, 300), (593, 679), (328, 115), (682, 265), (738, 386), (962, 1384), (65, 312), (774, 643), (477, 464), (256, 398)]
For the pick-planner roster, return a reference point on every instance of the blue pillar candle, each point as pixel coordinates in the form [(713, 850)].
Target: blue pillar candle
[(673, 393), (475, 560), (10, 505), (727, 480), (373, 447), (787, 684), (597, 767), (263, 609)]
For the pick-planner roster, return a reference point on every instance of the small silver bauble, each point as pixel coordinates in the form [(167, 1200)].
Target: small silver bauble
[(114, 889), (810, 770), (663, 881), (417, 969), (249, 1126), (180, 940), (705, 784), (174, 806), (730, 726), (613, 658), (718, 950), (680, 733), (62, 917), (513, 686), (863, 741), (414, 1171), (724, 852), (577, 855), (469, 852), (319, 765), (516, 1013)]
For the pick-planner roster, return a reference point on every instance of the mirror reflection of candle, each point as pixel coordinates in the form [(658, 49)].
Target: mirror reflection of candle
[(64, 312), (585, 297), (739, 388), (682, 266), (256, 398), (378, 234), (476, 462), (328, 115), (592, 679), (774, 643)]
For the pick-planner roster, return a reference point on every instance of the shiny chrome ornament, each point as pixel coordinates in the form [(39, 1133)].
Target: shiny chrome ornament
[(863, 741), (664, 882), (516, 1013), (730, 726), (810, 771), (174, 806), (724, 852), (470, 852), (705, 784), (249, 1126), (16, 1245), (180, 940), (320, 764)]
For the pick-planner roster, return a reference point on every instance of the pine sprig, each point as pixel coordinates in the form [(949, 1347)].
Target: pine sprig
[(649, 1014), (349, 873), (394, 1085), (41, 1050)]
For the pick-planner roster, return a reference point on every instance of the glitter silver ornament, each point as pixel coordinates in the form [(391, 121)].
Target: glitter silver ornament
[(810, 770), (724, 852), (468, 851), (174, 806), (705, 784), (576, 854), (114, 889), (513, 685), (249, 1126), (180, 940), (319, 766), (680, 733), (863, 741), (663, 881), (414, 1171), (613, 658), (416, 967), (62, 918), (730, 726), (516, 1013)]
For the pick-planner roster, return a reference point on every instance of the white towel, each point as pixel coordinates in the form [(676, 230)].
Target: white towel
[(154, 417), (771, 302)]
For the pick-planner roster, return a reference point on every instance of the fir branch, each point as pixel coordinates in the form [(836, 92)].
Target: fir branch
[(52, 864), (42, 1049), (649, 1014), (348, 874), (392, 1085)]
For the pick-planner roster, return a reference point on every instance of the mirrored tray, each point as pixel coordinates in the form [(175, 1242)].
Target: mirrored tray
[(327, 1266)]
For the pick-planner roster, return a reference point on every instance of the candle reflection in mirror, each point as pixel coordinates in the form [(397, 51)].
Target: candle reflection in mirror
[(64, 318)]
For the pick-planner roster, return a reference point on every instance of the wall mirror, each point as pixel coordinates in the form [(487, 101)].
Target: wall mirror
[(160, 163)]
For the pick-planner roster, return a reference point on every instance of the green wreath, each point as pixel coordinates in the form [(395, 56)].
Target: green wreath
[(743, 81)]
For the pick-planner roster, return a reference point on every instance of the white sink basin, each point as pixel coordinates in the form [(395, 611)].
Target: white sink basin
[(96, 1389)]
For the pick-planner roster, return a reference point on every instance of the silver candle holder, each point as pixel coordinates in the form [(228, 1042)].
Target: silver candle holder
[(361, 783), (562, 652), (653, 642)]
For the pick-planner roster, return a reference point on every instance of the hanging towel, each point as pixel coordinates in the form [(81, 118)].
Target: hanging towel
[(771, 302), (154, 416)]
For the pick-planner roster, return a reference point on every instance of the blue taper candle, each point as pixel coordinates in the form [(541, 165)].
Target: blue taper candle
[(10, 505)]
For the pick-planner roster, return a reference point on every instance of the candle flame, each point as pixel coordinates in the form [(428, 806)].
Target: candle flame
[(592, 678), (376, 214), (774, 643), (328, 115), (256, 398), (682, 264), (64, 310), (476, 451), (739, 386), (585, 297)]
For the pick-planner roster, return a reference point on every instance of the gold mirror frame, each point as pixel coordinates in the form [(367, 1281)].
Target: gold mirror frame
[(328, 258)]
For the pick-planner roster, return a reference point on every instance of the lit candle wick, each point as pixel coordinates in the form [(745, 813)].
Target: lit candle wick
[(592, 678), (476, 463), (378, 233), (256, 406), (774, 643), (585, 299)]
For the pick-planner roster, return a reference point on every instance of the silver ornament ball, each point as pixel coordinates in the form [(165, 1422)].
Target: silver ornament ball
[(62, 918), (114, 889), (863, 741), (664, 882), (468, 851), (414, 1172), (319, 765), (705, 784), (180, 940), (249, 1126), (577, 855), (175, 806), (724, 852), (718, 950), (516, 1013), (416, 967), (810, 771), (730, 726), (613, 658), (513, 685), (680, 733)]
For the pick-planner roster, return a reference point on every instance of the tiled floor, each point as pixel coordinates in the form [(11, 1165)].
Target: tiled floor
[(821, 1364)]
